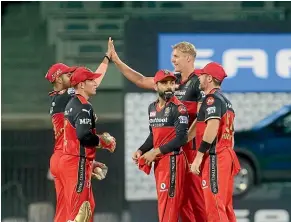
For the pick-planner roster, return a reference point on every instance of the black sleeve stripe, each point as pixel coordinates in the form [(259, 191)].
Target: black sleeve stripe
[(212, 117)]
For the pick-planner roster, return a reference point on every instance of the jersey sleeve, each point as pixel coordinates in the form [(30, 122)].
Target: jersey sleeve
[(83, 124), (212, 107), (149, 142), (181, 121)]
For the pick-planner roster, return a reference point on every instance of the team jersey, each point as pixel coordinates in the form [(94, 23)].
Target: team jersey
[(216, 106), (59, 100), (168, 127), (189, 94), (80, 137)]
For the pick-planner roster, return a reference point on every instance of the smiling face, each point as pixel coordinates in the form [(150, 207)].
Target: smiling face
[(179, 60), (183, 56)]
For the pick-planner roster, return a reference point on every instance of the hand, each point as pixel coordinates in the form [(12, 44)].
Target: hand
[(49, 175), (99, 171), (114, 56), (95, 117), (149, 156), (136, 155), (195, 166), (109, 47), (106, 141)]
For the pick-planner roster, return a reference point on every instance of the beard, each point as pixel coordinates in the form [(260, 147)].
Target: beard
[(166, 95), (201, 87)]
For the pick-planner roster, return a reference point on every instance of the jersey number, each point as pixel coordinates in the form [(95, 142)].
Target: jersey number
[(229, 123)]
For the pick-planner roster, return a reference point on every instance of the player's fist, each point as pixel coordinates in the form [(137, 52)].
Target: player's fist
[(106, 141), (99, 170), (136, 155)]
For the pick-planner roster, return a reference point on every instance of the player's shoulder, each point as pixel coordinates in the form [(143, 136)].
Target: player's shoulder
[(152, 105), (78, 102), (215, 97), (194, 76), (175, 101), (178, 105)]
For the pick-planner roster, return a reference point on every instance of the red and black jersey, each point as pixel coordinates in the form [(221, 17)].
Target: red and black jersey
[(80, 137), (189, 94), (168, 127), (59, 100), (216, 106)]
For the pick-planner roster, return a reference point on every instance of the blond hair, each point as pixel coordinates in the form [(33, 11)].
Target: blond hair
[(186, 47)]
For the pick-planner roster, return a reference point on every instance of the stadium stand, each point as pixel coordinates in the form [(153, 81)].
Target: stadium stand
[(14, 219)]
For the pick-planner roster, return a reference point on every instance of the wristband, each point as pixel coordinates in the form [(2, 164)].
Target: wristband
[(107, 57), (204, 146)]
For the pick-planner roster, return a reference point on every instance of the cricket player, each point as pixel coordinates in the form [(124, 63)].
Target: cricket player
[(79, 147), (188, 92), (59, 75), (168, 120), (216, 159)]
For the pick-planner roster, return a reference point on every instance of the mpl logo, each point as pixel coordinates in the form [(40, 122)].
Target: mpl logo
[(253, 62)]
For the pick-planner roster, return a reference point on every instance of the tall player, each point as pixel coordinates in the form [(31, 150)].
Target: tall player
[(59, 75), (215, 138), (188, 92), (79, 147)]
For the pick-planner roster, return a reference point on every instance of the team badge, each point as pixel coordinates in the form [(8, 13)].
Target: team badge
[(182, 109), (153, 114), (209, 101)]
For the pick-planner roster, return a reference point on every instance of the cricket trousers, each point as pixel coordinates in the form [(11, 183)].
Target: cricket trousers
[(218, 173), (193, 205), (61, 211), (76, 177), (170, 174)]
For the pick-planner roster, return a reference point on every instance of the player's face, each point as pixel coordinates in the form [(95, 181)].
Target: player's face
[(179, 60), (166, 88), (65, 78), (204, 80), (90, 87)]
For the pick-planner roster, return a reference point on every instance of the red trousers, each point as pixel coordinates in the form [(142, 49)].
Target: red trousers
[(170, 175), (76, 178), (218, 173), (193, 205), (60, 214)]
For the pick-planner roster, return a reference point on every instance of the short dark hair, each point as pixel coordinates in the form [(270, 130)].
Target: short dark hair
[(216, 82)]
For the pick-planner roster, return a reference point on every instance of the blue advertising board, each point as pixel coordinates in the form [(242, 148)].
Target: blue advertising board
[(253, 62)]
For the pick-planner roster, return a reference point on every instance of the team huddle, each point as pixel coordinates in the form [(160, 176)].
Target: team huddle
[(190, 140)]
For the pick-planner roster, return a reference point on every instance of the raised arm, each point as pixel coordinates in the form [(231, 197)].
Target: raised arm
[(102, 68), (137, 78)]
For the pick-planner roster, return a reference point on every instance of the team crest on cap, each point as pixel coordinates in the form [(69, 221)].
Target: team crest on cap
[(166, 72)]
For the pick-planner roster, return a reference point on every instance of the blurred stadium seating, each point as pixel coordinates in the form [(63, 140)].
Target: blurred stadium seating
[(76, 33)]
